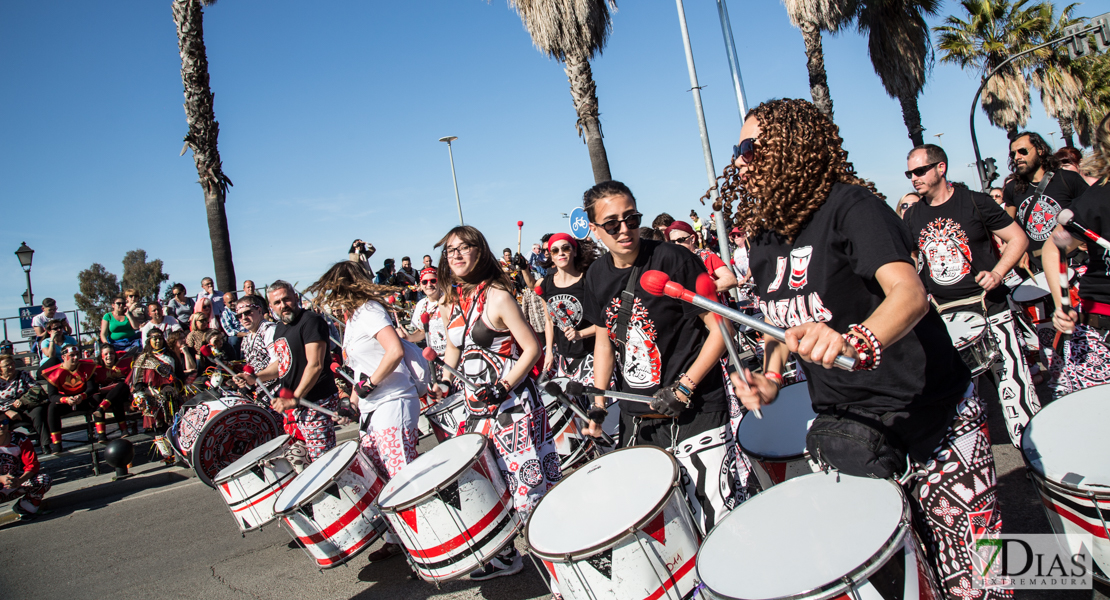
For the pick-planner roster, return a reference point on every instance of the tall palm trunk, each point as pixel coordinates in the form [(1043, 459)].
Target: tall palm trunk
[(1068, 131), (912, 118), (815, 62), (584, 92), (204, 133)]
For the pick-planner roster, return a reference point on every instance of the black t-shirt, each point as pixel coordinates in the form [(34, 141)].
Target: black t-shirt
[(289, 345), (950, 235), (665, 334), (565, 307), (828, 275), (1092, 210), (1038, 216)]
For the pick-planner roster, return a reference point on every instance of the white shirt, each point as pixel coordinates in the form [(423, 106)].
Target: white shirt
[(40, 319), (365, 353), (167, 325), (741, 266)]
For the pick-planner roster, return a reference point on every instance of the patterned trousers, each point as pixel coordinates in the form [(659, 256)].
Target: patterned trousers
[(389, 436), (1016, 393), (1085, 362), (315, 428), (31, 490), (957, 502)]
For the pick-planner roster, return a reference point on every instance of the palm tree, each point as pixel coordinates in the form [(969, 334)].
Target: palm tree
[(573, 32), (204, 132), (994, 31), (1059, 81), (901, 51), (813, 17), (1095, 98)]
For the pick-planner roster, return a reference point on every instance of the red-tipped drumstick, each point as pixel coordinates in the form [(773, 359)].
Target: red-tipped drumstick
[(286, 394), (335, 369), (425, 318), (249, 370), (658, 283), (431, 356), (519, 229), (1065, 297), (734, 357)]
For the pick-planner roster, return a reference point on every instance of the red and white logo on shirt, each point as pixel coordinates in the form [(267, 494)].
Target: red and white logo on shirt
[(284, 356), (799, 266)]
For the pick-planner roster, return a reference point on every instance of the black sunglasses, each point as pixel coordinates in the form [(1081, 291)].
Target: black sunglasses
[(745, 148), (1021, 151), (920, 171), (613, 226), (682, 240)]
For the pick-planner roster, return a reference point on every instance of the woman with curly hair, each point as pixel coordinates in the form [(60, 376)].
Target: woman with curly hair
[(388, 403), (498, 351), (568, 336), (833, 267)]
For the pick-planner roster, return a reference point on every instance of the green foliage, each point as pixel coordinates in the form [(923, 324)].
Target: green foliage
[(98, 286), (145, 277)]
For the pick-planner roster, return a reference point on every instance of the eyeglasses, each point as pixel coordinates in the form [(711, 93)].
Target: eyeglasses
[(746, 149), (245, 313), (428, 281), (459, 250), (920, 171), (613, 226), (1021, 151), (117, 304), (682, 240), (903, 206), (565, 249)]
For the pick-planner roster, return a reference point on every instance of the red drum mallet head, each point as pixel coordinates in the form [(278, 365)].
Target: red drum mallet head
[(654, 282), (430, 354), (706, 287)]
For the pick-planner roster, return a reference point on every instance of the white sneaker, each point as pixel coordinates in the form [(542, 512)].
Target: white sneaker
[(504, 564)]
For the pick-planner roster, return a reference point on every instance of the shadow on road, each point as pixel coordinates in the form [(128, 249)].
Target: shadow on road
[(394, 579)]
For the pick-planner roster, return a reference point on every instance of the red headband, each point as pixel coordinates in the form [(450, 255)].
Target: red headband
[(561, 236), (426, 271)]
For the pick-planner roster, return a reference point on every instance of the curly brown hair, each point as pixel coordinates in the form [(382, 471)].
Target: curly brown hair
[(346, 286), (799, 155)]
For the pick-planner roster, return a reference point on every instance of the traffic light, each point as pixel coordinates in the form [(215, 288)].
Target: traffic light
[(991, 170)]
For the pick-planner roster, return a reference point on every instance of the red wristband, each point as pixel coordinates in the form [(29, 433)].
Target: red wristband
[(776, 377)]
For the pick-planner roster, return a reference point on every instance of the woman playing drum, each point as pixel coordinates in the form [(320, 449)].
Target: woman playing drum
[(498, 352), (569, 338), (833, 267)]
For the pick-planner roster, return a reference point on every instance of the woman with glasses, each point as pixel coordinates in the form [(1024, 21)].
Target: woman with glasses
[(113, 393), (568, 336), (906, 201), (116, 329), (180, 306), (19, 472), (198, 329), (427, 322), (497, 353), (70, 386)]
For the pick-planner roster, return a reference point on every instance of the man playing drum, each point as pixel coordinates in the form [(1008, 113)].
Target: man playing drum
[(833, 267), (951, 228)]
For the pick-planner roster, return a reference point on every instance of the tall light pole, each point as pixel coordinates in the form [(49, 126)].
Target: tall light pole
[(733, 60), (449, 139), (25, 254)]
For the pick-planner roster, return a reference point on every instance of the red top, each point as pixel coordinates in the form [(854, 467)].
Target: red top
[(18, 456), (70, 383)]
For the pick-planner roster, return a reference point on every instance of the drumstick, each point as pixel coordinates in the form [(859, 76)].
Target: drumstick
[(658, 283), (575, 388), (519, 229), (734, 358), (1065, 297), (286, 394), (554, 389), (250, 371), (335, 369), (1067, 219), (431, 356)]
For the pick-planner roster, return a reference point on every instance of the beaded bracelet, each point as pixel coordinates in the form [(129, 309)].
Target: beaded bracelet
[(866, 345)]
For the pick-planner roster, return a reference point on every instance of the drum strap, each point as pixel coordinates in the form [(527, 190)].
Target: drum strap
[(628, 299), (976, 300)]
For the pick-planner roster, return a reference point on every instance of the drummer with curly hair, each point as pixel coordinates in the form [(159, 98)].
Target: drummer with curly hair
[(833, 267)]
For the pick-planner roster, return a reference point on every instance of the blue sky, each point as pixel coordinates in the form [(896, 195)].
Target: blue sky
[(330, 115)]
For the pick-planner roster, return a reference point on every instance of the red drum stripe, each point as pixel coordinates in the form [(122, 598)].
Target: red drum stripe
[(470, 533), (344, 554), (1080, 520), (271, 493), (677, 575), (355, 511)]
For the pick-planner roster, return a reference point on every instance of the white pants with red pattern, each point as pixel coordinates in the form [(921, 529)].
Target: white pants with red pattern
[(31, 490), (388, 438)]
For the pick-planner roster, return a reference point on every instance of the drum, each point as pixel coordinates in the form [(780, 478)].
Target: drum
[(635, 538), (777, 442), (573, 447), (1065, 449), (973, 340), (822, 535), (1034, 300), (212, 434), (446, 415), (250, 485), (450, 508), (329, 507)]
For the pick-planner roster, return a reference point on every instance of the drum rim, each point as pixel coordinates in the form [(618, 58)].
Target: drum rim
[(613, 541), (866, 569), (436, 409), (194, 452), (316, 492), (435, 490), (225, 478), (1098, 491)]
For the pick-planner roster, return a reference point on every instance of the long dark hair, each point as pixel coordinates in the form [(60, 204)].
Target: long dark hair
[(1048, 161), (584, 256), (348, 285), (486, 270)]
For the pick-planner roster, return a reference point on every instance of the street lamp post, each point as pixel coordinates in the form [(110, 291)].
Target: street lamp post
[(449, 139), (25, 254)]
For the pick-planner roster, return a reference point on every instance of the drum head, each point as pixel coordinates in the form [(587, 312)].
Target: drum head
[(316, 477), (964, 327), (445, 405), (781, 433), (250, 459), (625, 489), (1066, 441), (1031, 289), (548, 399), (812, 531), (229, 435), (436, 467)]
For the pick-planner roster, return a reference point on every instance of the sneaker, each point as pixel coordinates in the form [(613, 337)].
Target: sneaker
[(386, 551), (22, 513), (502, 565)]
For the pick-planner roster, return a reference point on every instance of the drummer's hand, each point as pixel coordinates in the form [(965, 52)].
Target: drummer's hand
[(592, 429), (283, 404), (988, 280), (817, 343), (548, 361), (1064, 322), (245, 379), (572, 334), (438, 390), (753, 391)]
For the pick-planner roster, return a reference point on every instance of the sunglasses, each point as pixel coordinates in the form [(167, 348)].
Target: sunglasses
[(613, 226), (5, 421), (1021, 151), (117, 304), (245, 313), (920, 171), (560, 249), (903, 206), (428, 281), (682, 240), (746, 149)]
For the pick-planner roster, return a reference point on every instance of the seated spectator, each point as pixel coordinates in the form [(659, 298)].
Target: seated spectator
[(229, 324), (70, 386), (210, 293), (157, 321), (152, 381), (23, 400), (113, 393), (185, 359), (136, 310), (217, 342), (19, 472), (249, 290), (51, 348), (205, 307), (116, 329), (49, 313), (180, 306), (198, 328)]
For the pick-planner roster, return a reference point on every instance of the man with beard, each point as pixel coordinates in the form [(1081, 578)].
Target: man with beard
[(406, 276), (951, 228), (1039, 191), (301, 348)]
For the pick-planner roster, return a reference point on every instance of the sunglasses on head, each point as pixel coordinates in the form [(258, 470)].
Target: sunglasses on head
[(1021, 151), (746, 149), (613, 226), (920, 171)]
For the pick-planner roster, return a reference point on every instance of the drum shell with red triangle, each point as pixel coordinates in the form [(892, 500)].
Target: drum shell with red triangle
[(251, 485)]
